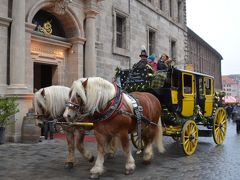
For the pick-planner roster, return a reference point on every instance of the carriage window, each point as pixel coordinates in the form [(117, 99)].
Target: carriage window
[(208, 86), (175, 80), (200, 82), (187, 84)]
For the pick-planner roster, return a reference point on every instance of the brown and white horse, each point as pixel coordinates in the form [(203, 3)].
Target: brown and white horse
[(51, 102), (93, 96)]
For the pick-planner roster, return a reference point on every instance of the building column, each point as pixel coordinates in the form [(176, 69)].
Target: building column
[(90, 51), (4, 25), (75, 60), (17, 48)]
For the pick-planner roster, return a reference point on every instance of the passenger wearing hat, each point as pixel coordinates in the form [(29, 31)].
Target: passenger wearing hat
[(152, 63), (163, 62), (143, 61)]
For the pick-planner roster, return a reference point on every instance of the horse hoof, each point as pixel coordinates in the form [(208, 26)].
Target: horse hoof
[(94, 176), (68, 165), (110, 156), (91, 159), (129, 171), (146, 162)]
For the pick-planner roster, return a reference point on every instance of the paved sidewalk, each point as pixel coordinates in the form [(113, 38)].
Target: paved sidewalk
[(45, 160)]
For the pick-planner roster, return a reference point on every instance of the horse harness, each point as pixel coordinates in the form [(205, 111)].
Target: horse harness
[(112, 109)]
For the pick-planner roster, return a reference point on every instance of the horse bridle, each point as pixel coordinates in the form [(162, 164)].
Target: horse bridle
[(79, 108)]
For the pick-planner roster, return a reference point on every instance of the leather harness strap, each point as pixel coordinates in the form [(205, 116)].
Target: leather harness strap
[(112, 108), (137, 110)]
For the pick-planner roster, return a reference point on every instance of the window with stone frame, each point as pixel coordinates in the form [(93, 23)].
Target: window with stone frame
[(151, 41), (180, 10), (121, 33), (173, 52), (160, 2), (170, 8)]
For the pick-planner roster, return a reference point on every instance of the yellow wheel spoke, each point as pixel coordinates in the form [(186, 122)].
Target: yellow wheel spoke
[(189, 137), (186, 141)]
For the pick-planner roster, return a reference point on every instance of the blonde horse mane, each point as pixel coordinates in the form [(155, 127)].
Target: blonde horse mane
[(95, 95), (53, 101)]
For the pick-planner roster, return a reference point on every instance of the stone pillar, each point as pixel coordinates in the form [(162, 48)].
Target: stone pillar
[(4, 24), (90, 51), (75, 60), (17, 48)]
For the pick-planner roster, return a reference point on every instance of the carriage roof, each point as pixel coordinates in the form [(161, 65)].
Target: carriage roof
[(195, 73)]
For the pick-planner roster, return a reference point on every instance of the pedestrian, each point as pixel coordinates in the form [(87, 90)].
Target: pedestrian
[(152, 63), (237, 117), (143, 61), (229, 110), (163, 62), (48, 129)]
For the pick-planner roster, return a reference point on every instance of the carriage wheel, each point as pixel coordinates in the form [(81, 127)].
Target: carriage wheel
[(189, 137), (220, 126), (136, 142)]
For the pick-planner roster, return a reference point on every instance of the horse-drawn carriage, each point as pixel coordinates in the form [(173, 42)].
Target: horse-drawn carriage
[(174, 103), (188, 101)]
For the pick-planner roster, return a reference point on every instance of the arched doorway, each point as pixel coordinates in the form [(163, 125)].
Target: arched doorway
[(56, 46), (47, 25)]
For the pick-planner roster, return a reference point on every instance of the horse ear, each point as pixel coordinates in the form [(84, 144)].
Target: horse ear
[(84, 83), (43, 93)]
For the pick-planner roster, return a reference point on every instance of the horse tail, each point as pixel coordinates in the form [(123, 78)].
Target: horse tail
[(159, 137)]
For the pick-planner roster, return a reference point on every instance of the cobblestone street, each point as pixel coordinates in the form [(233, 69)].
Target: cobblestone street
[(45, 160)]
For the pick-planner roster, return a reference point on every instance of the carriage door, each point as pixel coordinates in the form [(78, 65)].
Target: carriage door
[(188, 93), (208, 93)]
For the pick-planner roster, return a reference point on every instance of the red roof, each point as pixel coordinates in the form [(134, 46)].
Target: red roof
[(228, 80)]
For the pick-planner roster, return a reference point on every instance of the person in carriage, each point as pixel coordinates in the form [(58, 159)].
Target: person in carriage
[(152, 63), (144, 59), (163, 65), (163, 62)]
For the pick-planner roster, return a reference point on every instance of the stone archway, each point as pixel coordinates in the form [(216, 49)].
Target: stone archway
[(69, 19), (62, 52)]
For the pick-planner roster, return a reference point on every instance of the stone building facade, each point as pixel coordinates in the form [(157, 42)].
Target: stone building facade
[(53, 42), (49, 42), (203, 58)]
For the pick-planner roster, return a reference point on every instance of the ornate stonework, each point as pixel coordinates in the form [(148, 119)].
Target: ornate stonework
[(60, 6)]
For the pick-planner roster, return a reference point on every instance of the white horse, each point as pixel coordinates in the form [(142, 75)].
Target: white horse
[(94, 98), (51, 102)]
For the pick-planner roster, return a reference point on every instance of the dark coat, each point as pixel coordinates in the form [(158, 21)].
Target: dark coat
[(140, 64), (161, 65)]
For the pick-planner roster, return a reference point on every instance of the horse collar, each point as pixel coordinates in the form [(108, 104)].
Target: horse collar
[(111, 109)]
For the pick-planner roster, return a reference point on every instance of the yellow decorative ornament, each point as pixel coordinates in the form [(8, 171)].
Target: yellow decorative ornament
[(46, 29)]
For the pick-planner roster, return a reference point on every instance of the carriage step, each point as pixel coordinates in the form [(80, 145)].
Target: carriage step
[(205, 133)]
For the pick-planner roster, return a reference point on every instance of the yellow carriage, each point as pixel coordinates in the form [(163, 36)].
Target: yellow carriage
[(188, 101)]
